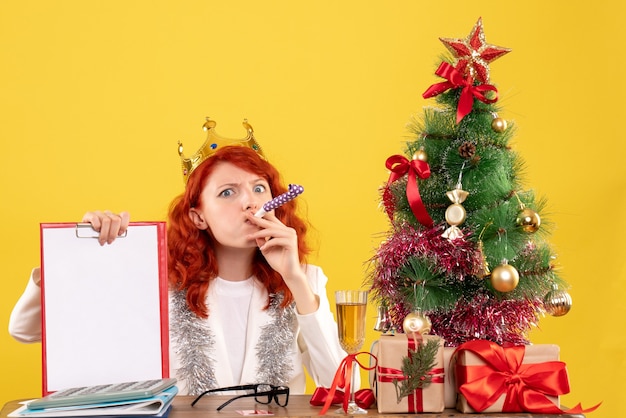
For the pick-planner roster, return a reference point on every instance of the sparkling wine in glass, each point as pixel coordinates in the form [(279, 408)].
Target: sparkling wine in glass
[(351, 306)]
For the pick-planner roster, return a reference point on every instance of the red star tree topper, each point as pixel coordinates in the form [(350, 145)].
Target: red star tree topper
[(473, 53)]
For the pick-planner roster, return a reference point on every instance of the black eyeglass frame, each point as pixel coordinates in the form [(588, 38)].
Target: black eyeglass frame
[(271, 394)]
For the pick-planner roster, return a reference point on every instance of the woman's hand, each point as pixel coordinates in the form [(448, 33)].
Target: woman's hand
[(279, 245), (110, 225)]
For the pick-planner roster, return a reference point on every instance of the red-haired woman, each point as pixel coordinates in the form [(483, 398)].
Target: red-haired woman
[(244, 305)]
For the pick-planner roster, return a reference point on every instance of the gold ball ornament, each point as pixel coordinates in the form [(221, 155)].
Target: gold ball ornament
[(557, 302), (528, 220), (498, 125), (504, 278), (420, 155), (416, 322)]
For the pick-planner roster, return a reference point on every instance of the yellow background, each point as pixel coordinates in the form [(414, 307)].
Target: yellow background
[(96, 94)]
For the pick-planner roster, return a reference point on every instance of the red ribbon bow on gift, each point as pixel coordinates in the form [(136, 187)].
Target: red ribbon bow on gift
[(399, 165), (363, 397), (415, 400), (526, 385), (456, 80), (343, 379)]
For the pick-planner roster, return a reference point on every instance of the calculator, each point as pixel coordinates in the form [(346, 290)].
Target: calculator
[(113, 392)]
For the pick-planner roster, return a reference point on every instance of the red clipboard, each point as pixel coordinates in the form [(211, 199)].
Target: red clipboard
[(104, 308)]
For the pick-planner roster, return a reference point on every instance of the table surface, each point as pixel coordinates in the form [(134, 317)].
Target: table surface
[(298, 407)]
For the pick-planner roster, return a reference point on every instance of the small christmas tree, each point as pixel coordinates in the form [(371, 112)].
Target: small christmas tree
[(467, 255)]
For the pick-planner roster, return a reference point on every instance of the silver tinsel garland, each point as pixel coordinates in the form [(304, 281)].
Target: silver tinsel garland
[(274, 345), (194, 341)]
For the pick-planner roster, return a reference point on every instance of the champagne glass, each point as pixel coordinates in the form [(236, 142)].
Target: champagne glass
[(351, 306)]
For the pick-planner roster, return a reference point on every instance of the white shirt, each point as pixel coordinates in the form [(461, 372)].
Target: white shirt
[(234, 298)]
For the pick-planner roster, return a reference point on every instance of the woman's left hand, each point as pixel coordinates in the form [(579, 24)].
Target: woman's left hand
[(278, 244)]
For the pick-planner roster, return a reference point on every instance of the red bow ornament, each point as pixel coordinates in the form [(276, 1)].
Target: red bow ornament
[(343, 379), (455, 79), (399, 166), (363, 397), (527, 387)]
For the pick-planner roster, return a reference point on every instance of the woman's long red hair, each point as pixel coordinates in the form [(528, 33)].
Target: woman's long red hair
[(192, 264)]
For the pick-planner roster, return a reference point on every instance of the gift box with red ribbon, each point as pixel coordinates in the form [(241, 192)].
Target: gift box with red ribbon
[(492, 378), (391, 351), (449, 387)]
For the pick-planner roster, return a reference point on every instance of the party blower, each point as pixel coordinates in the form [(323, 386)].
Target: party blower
[(292, 193)]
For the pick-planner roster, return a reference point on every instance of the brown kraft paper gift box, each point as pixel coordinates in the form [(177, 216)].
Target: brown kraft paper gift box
[(449, 385), (391, 349), (534, 354)]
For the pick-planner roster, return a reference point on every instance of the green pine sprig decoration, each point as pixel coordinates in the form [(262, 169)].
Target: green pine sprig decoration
[(415, 368)]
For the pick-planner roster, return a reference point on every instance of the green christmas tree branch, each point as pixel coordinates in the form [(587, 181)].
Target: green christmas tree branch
[(416, 367)]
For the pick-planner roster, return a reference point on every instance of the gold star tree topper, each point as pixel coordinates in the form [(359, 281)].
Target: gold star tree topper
[(473, 53)]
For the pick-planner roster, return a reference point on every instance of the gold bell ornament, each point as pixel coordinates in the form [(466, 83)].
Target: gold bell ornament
[(483, 269), (557, 302)]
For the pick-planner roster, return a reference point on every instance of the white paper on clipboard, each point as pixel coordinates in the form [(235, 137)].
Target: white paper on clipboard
[(105, 308)]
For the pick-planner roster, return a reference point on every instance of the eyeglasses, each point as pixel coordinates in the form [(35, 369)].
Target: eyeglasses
[(262, 392)]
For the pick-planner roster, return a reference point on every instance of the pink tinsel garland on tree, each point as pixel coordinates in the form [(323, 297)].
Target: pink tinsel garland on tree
[(481, 316)]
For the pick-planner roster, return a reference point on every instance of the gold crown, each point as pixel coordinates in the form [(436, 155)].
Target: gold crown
[(212, 143)]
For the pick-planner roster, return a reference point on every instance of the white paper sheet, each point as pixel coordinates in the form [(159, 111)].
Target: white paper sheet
[(105, 307)]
